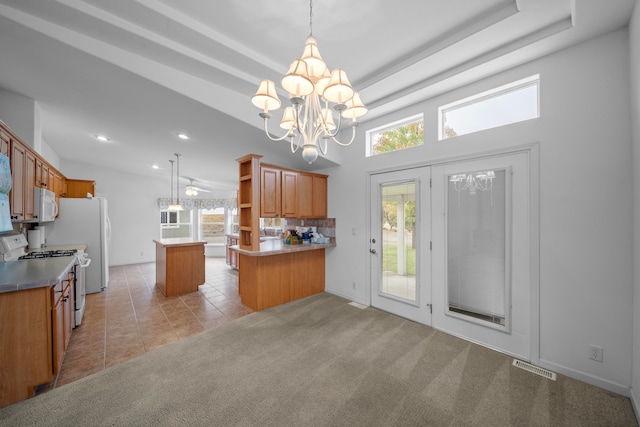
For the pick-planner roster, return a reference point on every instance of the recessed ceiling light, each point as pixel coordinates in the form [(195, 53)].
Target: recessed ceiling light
[(183, 135), (155, 166), (102, 138)]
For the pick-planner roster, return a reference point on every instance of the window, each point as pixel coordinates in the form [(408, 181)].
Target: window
[(169, 219), (396, 136), (212, 225), (175, 224), (216, 222), (515, 102)]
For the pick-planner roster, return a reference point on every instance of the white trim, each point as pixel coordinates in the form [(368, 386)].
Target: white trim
[(613, 386)]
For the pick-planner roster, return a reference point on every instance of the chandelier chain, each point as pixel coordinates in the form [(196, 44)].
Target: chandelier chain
[(310, 17)]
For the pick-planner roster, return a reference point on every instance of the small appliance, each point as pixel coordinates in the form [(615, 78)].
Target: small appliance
[(45, 207)]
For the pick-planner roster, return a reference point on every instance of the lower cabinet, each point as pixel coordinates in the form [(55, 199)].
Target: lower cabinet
[(35, 329), (62, 301), (232, 256)]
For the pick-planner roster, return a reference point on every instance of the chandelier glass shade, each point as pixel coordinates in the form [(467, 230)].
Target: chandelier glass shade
[(482, 181), (317, 95)]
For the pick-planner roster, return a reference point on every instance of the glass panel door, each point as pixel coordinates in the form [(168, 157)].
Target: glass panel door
[(399, 244), (481, 254), (477, 236)]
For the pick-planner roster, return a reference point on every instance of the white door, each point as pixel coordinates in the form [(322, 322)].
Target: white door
[(399, 243), (481, 254)]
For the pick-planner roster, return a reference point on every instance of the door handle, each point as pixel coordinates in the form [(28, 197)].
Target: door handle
[(373, 251)]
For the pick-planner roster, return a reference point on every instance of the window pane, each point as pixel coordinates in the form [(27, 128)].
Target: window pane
[(398, 243), (212, 223), (504, 106), (476, 245), (397, 136)]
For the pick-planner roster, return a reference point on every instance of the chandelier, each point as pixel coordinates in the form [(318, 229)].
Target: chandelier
[(482, 181), (315, 94)]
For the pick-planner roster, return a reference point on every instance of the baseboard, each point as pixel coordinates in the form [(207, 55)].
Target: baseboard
[(615, 387), (345, 296), (635, 404)]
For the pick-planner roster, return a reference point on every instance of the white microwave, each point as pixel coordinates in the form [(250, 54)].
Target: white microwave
[(45, 207)]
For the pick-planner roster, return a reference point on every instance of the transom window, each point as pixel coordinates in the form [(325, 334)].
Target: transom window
[(515, 102), (396, 136)]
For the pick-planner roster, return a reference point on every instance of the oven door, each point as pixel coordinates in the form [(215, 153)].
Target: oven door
[(81, 288)]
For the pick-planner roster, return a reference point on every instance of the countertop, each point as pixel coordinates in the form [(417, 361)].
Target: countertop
[(277, 247), (34, 273), (179, 241)]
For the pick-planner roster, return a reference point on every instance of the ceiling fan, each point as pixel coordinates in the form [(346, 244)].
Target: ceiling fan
[(192, 190)]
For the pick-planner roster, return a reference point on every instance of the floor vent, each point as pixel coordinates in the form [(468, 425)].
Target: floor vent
[(357, 304), (535, 369)]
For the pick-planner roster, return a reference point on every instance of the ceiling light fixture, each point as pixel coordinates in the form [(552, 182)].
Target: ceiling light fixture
[(183, 136), (102, 138), (191, 190), (482, 181), (312, 89), (175, 206)]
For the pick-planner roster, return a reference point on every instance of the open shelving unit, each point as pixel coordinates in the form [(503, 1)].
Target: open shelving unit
[(249, 202)]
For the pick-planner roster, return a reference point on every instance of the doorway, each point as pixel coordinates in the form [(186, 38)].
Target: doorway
[(451, 248)]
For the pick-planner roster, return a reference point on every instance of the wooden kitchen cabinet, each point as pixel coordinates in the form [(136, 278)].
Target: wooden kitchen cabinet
[(5, 143), (62, 317), (304, 195), (320, 196), (78, 188), (270, 194), (29, 184), (292, 194), (289, 194), (26, 353), (179, 265), (231, 256), (16, 195)]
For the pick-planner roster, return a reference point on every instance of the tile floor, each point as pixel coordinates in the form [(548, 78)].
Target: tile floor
[(132, 317)]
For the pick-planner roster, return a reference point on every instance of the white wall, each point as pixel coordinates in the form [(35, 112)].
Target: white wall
[(585, 205), (22, 115), (133, 209), (634, 51)]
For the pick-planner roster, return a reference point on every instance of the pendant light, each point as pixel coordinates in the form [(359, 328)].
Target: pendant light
[(175, 206)]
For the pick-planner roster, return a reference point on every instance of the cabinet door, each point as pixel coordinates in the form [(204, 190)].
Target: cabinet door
[(16, 195), (57, 322), (319, 202), (69, 310), (29, 184), (44, 178), (305, 195), (5, 143), (270, 192), (289, 194)]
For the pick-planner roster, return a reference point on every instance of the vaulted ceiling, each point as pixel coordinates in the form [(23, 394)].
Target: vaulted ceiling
[(139, 71)]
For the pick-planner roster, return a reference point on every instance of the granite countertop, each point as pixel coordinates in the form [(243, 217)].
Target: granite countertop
[(34, 273), (179, 241), (277, 247)]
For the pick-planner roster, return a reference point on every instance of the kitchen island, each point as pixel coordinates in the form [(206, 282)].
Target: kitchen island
[(278, 273), (179, 265)]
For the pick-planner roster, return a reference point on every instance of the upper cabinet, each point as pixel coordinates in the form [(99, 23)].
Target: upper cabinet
[(28, 171), (292, 194), (270, 194), (5, 143), (79, 188)]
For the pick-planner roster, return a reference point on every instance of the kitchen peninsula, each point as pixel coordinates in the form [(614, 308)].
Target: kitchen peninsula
[(272, 272), (179, 265)]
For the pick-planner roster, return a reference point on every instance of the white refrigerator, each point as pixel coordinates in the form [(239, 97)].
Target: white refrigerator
[(85, 221)]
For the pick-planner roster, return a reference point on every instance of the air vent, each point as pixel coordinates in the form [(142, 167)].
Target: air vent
[(357, 304), (535, 369)]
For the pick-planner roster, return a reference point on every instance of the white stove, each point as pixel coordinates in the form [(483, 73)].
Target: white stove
[(13, 248)]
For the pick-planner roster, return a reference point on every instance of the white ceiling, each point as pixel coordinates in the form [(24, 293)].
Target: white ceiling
[(140, 71)]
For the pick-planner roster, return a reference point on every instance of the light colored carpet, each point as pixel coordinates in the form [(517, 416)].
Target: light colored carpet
[(320, 361)]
